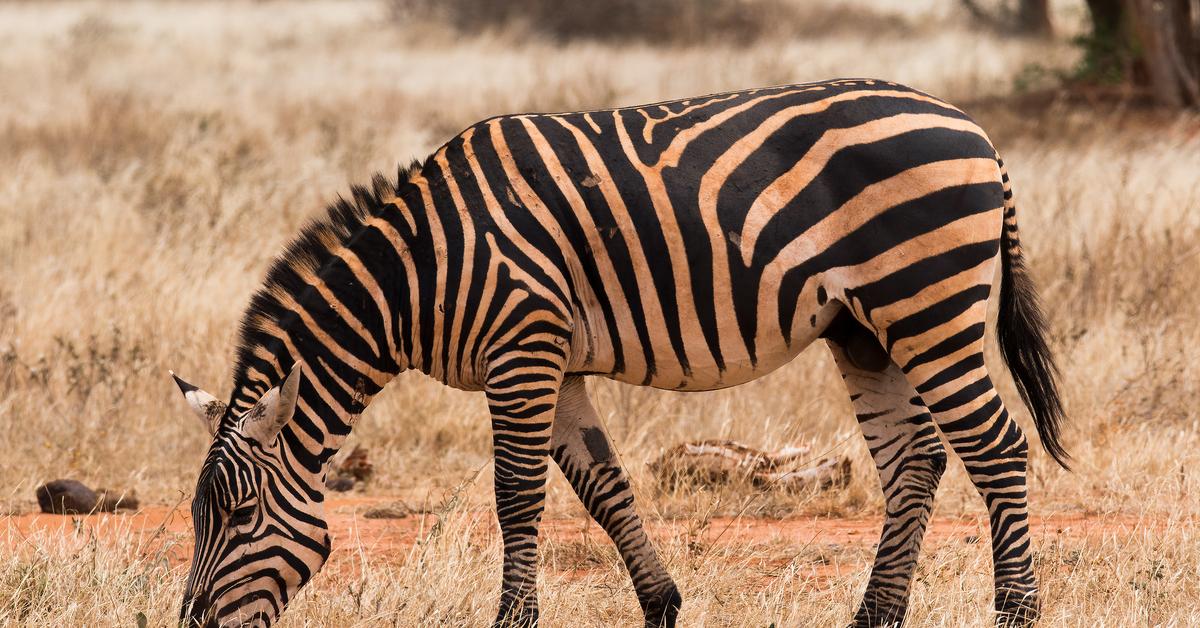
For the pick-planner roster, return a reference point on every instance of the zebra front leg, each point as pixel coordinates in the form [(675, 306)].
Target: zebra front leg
[(910, 459), (583, 451), (522, 391)]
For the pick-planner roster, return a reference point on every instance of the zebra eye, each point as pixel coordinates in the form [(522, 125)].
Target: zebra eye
[(241, 516)]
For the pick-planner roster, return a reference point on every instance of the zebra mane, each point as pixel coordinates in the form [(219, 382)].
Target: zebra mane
[(307, 253)]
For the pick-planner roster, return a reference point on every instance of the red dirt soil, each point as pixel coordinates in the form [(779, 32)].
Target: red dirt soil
[(168, 529)]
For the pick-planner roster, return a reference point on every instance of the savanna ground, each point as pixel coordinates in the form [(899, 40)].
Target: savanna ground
[(155, 157)]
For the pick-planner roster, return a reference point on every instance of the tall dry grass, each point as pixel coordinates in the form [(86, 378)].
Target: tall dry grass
[(1139, 574), (155, 157)]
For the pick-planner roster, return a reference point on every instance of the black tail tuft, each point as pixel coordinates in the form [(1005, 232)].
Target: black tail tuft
[(1022, 335)]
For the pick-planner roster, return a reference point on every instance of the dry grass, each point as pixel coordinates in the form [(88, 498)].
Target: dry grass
[(155, 157), (686, 22)]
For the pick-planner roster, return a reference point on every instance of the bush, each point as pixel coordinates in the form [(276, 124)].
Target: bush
[(669, 21)]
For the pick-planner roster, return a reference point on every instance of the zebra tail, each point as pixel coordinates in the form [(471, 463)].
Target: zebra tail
[(1021, 331)]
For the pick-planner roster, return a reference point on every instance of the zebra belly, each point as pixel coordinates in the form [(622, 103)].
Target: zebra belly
[(736, 372), (694, 369)]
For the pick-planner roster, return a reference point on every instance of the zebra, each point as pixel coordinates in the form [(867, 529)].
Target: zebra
[(687, 245)]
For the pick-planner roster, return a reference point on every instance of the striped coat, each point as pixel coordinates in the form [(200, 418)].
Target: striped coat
[(687, 245)]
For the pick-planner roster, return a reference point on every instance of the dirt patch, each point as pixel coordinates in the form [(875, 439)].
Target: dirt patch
[(820, 547)]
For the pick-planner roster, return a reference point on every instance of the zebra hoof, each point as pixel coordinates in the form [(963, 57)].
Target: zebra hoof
[(1016, 609), (877, 616), (526, 620), (662, 609), (518, 617)]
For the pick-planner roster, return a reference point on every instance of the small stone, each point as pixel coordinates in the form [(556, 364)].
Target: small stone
[(72, 497), (340, 484), (399, 511)]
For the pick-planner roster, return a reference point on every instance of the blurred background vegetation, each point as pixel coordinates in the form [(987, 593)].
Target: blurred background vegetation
[(155, 156), (175, 147), (1151, 47)]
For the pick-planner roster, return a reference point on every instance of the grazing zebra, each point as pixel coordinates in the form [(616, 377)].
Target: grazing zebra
[(686, 245)]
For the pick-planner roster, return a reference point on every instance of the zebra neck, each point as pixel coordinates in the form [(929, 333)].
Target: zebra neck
[(330, 405), (341, 302), (333, 394), (358, 298), (425, 225)]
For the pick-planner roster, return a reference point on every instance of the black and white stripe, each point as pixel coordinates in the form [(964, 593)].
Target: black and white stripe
[(689, 245)]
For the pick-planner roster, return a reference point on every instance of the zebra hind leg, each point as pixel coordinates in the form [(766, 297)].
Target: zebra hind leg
[(585, 454), (910, 459), (946, 367)]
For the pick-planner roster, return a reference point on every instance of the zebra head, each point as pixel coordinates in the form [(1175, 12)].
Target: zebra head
[(260, 528)]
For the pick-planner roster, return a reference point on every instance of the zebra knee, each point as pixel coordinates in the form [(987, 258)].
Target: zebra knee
[(926, 464), (1012, 445), (1020, 445)]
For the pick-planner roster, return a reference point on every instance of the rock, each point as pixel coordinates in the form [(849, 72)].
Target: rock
[(71, 497), (716, 462), (398, 511), (341, 484), (395, 510)]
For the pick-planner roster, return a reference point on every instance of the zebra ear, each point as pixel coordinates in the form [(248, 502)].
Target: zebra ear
[(274, 409), (207, 407)]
